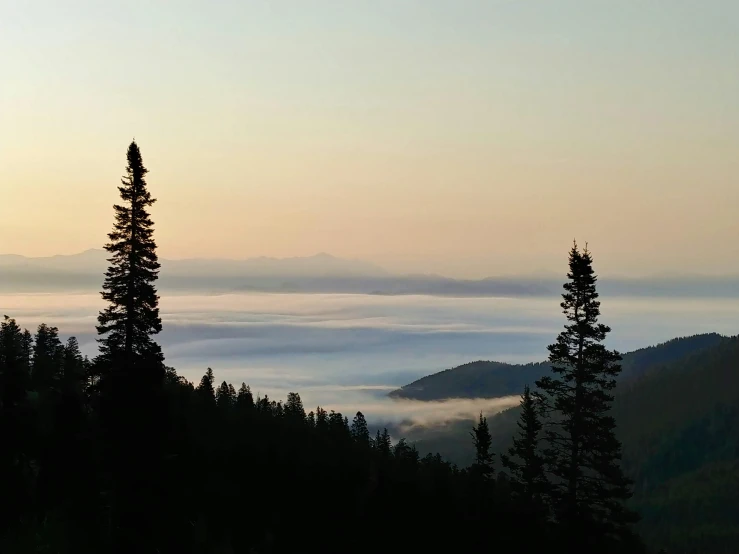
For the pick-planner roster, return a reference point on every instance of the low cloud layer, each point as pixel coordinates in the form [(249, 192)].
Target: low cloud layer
[(346, 352)]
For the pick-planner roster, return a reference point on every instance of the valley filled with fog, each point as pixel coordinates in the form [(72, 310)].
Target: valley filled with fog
[(346, 352)]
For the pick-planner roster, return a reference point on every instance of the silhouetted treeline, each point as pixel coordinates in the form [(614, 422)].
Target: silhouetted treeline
[(233, 473)]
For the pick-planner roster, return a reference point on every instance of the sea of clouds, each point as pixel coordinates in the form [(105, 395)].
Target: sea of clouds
[(346, 352)]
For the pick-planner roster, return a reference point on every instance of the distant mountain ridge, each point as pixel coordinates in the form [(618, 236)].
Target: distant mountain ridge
[(324, 273), (488, 379), (317, 265), (321, 273)]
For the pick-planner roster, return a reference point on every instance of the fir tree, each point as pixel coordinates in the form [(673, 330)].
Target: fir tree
[(377, 441), (15, 424), (294, 407), (73, 365), (583, 454), (48, 354), (127, 325), (224, 400), (277, 408), (27, 349), (264, 405), (206, 391), (131, 365), (524, 461), (359, 430), (14, 371), (383, 443), (483, 465), (321, 419), (244, 399), (338, 426)]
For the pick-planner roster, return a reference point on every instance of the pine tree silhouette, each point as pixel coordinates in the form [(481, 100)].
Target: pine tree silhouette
[(48, 353), (524, 459), (224, 398), (14, 424), (127, 325), (359, 430), (205, 390), (384, 445), (244, 398), (483, 465), (130, 367), (583, 454), (73, 365), (294, 407)]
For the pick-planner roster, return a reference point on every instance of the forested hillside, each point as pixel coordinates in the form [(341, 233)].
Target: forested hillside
[(679, 425), (680, 430), (484, 379)]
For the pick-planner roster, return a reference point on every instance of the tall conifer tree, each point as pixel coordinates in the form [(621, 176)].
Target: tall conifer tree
[(48, 355), (359, 429), (583, 454), (524, 459), (130, 370), (245, 399), (127, 325), (73, 367), (294, 407), (483, 466), (224, 398)]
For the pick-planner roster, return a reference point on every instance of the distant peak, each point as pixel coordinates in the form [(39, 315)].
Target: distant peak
[(323, 256)]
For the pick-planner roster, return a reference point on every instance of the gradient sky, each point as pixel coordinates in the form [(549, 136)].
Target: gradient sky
[(461, 137)]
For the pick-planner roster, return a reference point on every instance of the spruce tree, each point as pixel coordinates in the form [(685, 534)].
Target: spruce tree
[(524, 459), (264, 405), (73, 367), (244, 399), (130, 367), (583, 454), (127, 325), (294, 407), (48, 354), (338, 426), (483, 465), (321, 419), (15, 425), (14, 370), (224, 400), (383, 442), (27, 349), (207, 382), (359, 430)]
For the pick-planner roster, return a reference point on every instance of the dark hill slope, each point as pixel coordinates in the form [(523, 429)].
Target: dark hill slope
[(680, 430), (679, 425), (484, 379)]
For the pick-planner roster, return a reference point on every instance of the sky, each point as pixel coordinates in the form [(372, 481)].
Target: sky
[(461, 137)]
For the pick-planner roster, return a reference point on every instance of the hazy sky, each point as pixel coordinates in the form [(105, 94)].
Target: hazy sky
[(461, 137)]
